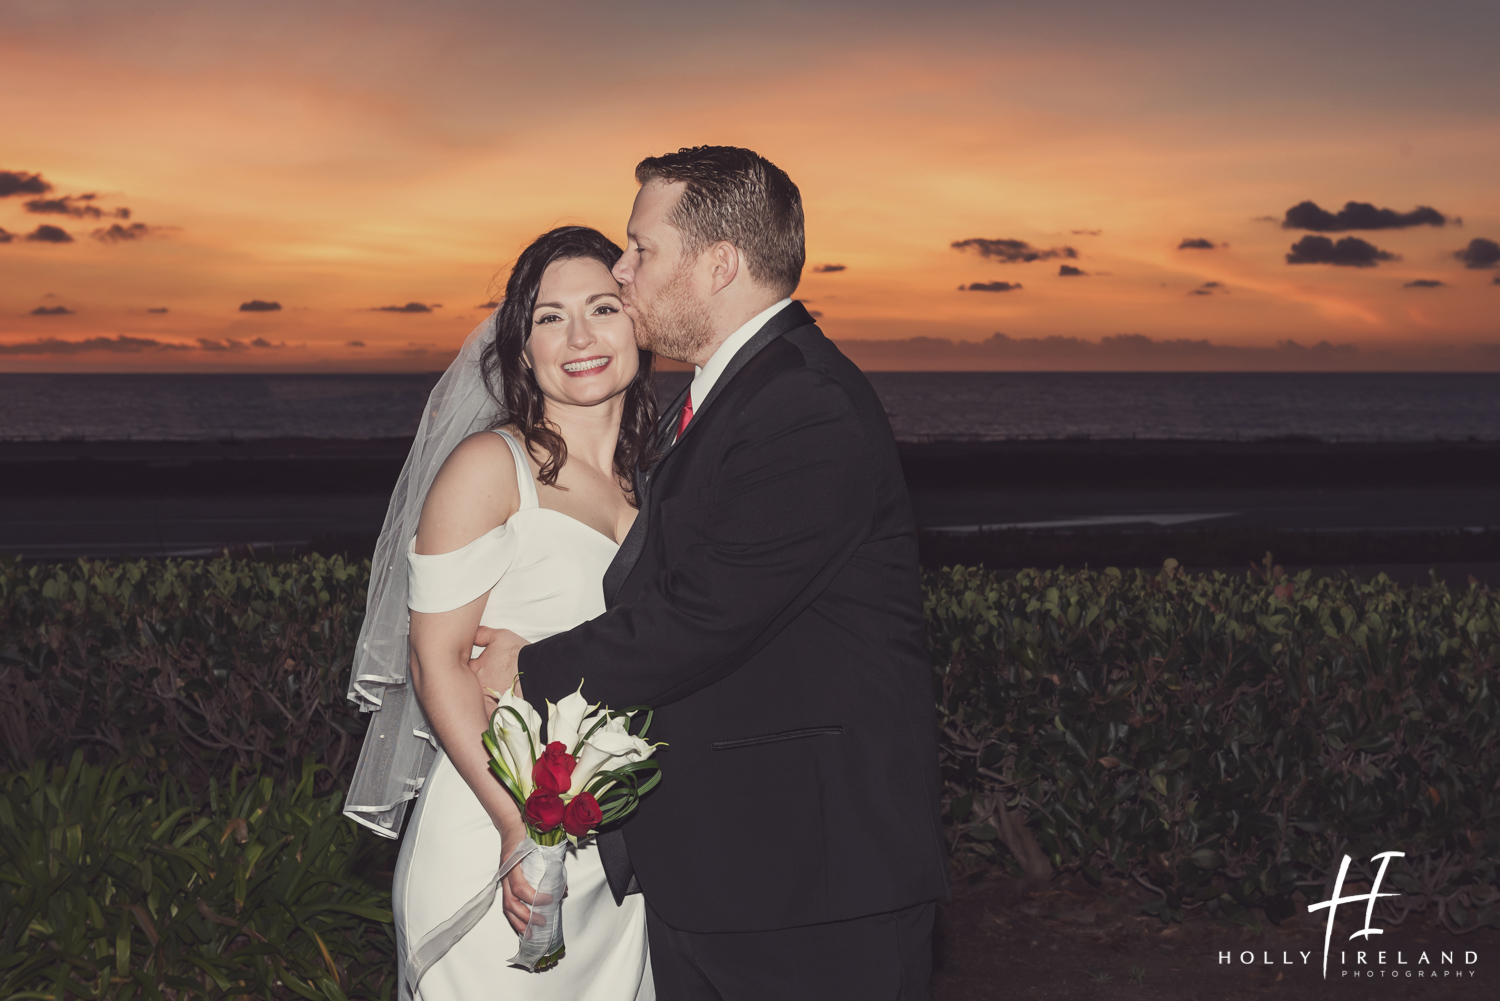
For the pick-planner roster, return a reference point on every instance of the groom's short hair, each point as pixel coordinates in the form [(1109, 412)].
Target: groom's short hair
[(736, 195)]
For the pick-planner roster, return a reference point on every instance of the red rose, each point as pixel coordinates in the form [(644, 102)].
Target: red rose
[(544, 810), (554, 769), (581, 815)]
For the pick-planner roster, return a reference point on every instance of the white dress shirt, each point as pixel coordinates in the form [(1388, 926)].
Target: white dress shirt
[(707, 374)]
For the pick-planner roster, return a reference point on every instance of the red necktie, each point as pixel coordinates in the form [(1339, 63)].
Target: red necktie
[(687, 415)]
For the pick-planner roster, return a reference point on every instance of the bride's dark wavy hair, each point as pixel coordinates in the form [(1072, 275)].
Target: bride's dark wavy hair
[(518, 391)]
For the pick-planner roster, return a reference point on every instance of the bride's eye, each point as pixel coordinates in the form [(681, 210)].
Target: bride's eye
[(606, 310), (546, 319)]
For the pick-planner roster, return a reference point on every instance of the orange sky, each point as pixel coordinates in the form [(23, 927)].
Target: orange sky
[(339, 158)]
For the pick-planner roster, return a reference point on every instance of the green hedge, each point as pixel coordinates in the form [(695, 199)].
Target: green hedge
[(113, 888), (186, 666), (1221, 739)]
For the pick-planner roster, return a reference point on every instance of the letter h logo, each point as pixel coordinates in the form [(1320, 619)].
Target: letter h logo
[(1332, 903)]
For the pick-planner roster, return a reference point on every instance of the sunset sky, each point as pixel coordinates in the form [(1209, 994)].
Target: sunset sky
[(164, 164)]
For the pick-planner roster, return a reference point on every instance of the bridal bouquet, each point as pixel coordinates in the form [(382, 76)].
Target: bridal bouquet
[(591, 771)]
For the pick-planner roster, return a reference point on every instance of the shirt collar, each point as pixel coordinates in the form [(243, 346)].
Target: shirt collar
[(706, 375)]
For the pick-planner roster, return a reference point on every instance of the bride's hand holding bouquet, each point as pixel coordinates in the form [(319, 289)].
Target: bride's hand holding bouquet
[(592, 771)]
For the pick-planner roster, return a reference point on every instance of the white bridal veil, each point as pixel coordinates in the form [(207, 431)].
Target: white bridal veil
[(398, 748)]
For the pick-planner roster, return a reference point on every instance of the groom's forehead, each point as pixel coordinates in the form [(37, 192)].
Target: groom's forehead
[(653, 204)]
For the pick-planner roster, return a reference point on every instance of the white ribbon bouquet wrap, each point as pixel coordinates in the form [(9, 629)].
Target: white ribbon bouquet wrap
[(592, 771)]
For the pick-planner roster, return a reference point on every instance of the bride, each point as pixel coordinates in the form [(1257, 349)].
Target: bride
[(513, 503)]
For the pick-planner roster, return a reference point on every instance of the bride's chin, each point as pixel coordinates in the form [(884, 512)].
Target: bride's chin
[(592, 399)]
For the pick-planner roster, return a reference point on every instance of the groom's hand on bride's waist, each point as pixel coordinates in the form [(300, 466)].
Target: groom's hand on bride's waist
[(495, 667)]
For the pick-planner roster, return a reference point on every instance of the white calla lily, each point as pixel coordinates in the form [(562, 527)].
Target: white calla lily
[(605, 721), (522, 747), (506, 758), (606, 749), (565, 720)]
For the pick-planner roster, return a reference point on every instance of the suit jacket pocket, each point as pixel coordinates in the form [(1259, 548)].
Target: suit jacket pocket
[(774, 738)]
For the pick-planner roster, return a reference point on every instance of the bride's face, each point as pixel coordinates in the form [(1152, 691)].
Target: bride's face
[(582, 345)]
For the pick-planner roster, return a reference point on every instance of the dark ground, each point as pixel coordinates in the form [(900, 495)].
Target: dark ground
[(1076, 942), (1395, 508)]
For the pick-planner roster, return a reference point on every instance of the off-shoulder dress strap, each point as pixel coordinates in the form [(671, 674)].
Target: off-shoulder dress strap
[(444, 581), (523, 471)]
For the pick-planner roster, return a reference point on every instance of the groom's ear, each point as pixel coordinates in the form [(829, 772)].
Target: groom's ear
[(724, 264)]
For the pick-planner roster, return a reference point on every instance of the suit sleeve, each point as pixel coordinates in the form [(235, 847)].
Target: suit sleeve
[(792, 500)]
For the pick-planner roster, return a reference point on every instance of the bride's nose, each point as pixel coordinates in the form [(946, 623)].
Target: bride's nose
[(579, 335)]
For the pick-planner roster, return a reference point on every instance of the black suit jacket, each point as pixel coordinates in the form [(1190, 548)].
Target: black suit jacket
[(767, 605)]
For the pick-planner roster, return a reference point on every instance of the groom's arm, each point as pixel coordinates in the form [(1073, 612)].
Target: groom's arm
[(793, 499)]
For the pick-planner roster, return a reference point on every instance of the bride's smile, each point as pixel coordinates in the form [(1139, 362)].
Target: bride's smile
[(585, 366)]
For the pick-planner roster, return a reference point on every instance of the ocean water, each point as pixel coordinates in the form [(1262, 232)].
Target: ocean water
[(922, 405)]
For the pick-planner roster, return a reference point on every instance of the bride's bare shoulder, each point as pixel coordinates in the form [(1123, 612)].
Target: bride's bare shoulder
[(475, 491)]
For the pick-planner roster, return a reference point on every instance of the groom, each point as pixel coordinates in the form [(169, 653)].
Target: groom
[(766, 603)]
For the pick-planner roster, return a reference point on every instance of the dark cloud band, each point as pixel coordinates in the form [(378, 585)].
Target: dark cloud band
[(231, 344), (1480, 253), (1358, 215), (124, 234), (990, 287), (1012, 251), (411, 307), (19, 182), (1122, 352), (1350, 252), (49, 234), (77, 206), (120, 344)]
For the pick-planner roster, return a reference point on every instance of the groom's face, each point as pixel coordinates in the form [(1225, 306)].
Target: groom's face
[(659, 283)]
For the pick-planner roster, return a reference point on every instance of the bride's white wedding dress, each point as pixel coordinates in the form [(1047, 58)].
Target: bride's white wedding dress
[(544, 571)]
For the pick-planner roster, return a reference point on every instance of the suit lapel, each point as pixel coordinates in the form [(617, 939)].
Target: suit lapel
[(790, 318), (635, 541)]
